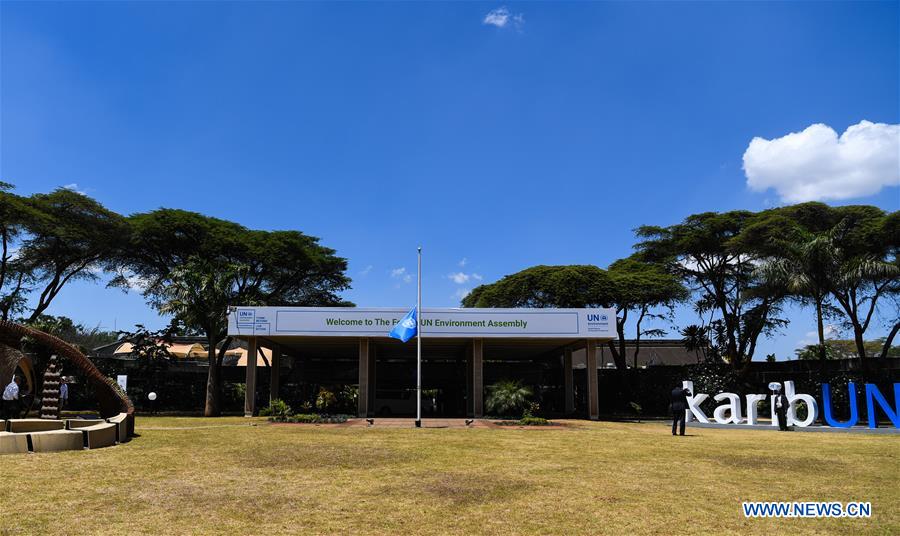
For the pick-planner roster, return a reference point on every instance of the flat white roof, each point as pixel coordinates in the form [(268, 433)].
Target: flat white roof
[(435, 322)]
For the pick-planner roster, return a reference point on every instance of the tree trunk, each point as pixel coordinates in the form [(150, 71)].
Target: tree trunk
[(820, 325), (860, 342), (889, 340), (213, 384), (619, 353), (637, 336)]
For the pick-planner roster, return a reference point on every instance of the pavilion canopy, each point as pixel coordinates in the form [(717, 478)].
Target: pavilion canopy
[(240, 357), (180, 351)]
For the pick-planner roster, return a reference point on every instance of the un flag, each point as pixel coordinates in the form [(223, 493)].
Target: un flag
[(406, 328)]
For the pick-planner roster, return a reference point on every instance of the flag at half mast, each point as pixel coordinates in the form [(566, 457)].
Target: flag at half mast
[(406, 328)]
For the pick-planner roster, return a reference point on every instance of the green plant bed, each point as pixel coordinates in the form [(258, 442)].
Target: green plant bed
[(310, 418), (528, 421)]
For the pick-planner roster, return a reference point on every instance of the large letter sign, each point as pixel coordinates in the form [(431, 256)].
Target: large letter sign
[(873, 394), (811, 406), (694, 401), (729, 411), (753, 407), (826, 404), (732, 408)]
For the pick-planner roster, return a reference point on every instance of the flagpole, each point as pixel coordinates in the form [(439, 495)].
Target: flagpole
[(419, 344)]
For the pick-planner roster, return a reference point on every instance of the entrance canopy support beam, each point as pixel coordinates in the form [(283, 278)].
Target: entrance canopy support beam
[(477, 378), (592, 381), (250, 391), (366, 378), (568, 381), (275, 374)]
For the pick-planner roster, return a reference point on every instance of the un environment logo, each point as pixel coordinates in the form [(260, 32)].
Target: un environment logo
[(408, 323)]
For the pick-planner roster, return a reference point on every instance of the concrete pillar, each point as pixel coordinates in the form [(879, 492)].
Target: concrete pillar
[(470, 404), (250, 393), (373, 370), (592, 385), (477, 378), (275, 373), (363, 395), (568, 381)]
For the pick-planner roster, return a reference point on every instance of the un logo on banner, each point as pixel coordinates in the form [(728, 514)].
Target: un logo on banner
[(408, 323)]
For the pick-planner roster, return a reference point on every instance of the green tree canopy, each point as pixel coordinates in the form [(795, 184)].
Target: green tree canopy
[(62, 236), (705, 252), (628, 285), (15, 215), (546, 286), (641, 287), (822, 253), (193, 267)]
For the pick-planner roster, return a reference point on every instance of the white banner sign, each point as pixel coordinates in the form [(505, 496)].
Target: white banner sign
[(359, 322)]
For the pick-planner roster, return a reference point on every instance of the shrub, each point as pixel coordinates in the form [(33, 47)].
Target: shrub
[(533, 421), (325, 399), (507, 397), (277, 408), (346, 399), (315, 418)]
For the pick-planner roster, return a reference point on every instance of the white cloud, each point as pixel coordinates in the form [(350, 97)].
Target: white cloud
[(816, 164), (461, 293), (365, 271), (400, 273), (462, 262), (74, 187), (812, 337), (459, 277), (501, 18)]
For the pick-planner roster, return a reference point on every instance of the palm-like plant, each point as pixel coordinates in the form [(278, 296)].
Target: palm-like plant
[(507, 397), (695, 339), (199, 293), (807, 268), (815, 267)]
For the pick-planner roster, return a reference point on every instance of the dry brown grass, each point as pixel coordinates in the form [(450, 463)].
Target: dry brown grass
[(224, 476)]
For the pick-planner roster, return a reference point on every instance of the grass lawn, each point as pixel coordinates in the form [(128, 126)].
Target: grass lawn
[(192, 475)]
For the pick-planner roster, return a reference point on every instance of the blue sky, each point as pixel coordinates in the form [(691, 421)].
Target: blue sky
[(497, 136)]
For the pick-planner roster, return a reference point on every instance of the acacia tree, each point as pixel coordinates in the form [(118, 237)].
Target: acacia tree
[(543, 286), (641, 288), (821, 253), (703, 251), (806, 270), (14, 215), (629, 285), (49, 240), (194, 267)]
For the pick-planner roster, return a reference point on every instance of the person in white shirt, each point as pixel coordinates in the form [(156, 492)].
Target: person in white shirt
[(11, 399)]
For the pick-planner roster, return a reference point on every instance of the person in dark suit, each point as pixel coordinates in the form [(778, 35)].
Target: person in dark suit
[(781, 407), (679, 405)]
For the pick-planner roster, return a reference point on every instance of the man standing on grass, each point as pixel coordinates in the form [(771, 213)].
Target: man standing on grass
[(781, 407), (11, 399), (679, 406)]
